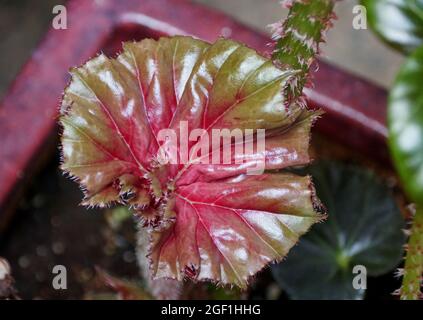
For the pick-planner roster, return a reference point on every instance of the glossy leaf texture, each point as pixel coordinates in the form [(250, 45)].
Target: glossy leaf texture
[(364, 228), (397, 22), (405, 122), (206, 221)]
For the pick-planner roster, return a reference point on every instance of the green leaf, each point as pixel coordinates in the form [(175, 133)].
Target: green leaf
[(363, 228), (397, 22), (405, 122)]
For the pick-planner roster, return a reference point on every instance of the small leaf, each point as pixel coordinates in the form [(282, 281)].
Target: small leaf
[(405, 122), (125, 290), (363, 228), (397, 22)]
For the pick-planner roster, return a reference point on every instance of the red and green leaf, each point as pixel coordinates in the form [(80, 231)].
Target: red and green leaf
[(228, 230), (206, 221)]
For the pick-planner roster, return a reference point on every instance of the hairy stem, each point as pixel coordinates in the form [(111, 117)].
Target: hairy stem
[(413, 268), (298, 39)]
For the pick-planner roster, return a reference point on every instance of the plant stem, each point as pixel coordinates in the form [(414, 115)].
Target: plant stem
[(413, 270), (298, 39)]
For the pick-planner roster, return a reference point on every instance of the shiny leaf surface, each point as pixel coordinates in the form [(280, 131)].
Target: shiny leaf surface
[(364, 227), (405, 120), (206, 221), (397, 22), (230, 229)]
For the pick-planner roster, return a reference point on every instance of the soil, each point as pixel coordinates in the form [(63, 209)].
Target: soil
[(50, 228)]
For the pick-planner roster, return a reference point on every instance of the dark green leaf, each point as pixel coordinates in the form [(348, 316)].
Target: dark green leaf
[(363, 228), (397, 22), (405, 120)]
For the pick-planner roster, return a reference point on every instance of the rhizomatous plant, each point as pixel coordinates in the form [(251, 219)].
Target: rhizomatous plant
[(203, 221)]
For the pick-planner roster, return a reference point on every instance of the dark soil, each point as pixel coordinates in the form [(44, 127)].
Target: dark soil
[(50, 228)]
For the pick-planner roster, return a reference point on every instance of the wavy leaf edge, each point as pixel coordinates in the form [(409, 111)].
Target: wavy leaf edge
[(316, 208)]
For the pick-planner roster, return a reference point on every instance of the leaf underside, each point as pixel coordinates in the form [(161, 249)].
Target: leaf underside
[(206, 221)]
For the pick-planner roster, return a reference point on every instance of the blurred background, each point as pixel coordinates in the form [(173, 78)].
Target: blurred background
[(44, 232), (23, 23)]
